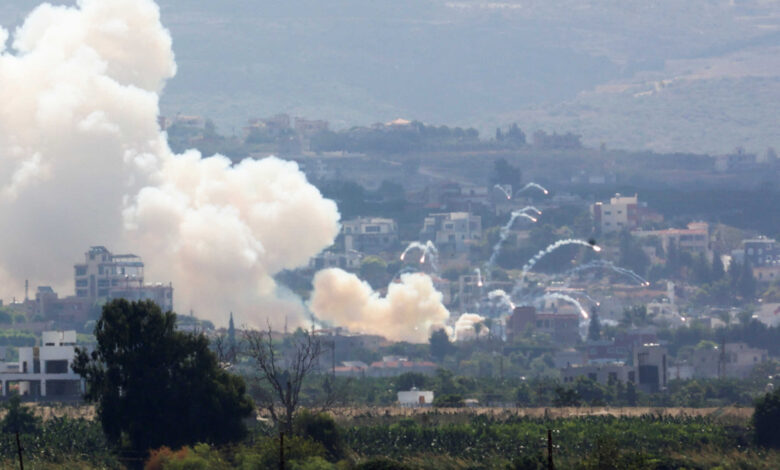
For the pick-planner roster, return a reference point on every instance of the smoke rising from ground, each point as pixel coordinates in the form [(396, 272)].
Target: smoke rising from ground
[(466, 328), (82, 161), (409, 311)]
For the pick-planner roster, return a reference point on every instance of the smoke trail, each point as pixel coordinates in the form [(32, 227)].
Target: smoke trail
[(470, 326), (412, 246), (532, 185), (504, 190), (531, 208), (504, 232), (573, 301), (478, 272), (501, 298), (530, 264), (82, 157), (604, 264), (587, 296), (409, 311)]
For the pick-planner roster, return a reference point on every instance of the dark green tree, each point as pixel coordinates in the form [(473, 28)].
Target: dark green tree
[(747, 282), (765, 418), (19, 418), (504, 173), (440, 344), (373, 270), (594, 328), (155, 386), (718, 271)]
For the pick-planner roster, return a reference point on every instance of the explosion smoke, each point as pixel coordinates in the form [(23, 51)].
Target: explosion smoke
[(532, 185), (429, 253), (82, 160), (409, 311), (502, 298), (466, 328)]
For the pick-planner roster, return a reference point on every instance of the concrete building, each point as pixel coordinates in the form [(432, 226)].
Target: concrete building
[(651, 368), (563, 328), (761, 251), (349, 260), (694, 239), (452, 231), (601, 373), (415, 397), (737, 360), (370, 234), (44, 371), (620, 213), (106, 276)]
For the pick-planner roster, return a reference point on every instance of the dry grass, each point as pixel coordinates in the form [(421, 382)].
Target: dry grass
[(356, 414)]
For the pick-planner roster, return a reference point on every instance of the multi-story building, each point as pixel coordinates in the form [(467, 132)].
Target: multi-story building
[(650, 367), (452, 231), (736, 360), (694, 239), (370, 234), (563, 328), (761, 251), (349, 260), (602, 373), (106, 276), (621, 213), (44, 371)]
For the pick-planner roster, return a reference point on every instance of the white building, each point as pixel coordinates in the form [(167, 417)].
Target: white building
[(369, 234), (44, 371), (452, 231), (619, 214), (415, 397)]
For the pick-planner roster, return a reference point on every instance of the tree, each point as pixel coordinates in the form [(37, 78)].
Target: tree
[(504, 173), (155, 386), (765, 418), (283, 373), (594, 328), (747, 282), (373, 270), (440, 344), (19, 418), (718, 270)]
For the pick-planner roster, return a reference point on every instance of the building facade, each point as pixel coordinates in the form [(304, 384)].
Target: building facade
[(370, 234), (452, 231)]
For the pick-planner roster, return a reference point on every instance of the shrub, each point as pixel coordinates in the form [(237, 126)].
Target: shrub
[(765, 419), (321, 428)]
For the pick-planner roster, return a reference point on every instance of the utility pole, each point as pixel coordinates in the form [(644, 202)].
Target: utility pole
[(281, 451), (19, 449), (550, 464)]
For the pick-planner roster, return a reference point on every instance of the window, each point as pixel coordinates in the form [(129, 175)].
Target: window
[(103, 293), (592, 376), (81, 293), (81, 283), (57, 367), (81, 270), (448, 226), (372, 229)]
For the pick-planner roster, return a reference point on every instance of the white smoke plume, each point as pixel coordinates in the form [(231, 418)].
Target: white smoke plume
[(466, 327), (409, 312), (83, 162)]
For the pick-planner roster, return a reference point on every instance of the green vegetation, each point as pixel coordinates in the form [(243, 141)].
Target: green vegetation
[(156, 386)]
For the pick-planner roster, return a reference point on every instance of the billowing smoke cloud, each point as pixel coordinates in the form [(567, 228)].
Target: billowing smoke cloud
[(82, 161), (409, 311), (466, 328)]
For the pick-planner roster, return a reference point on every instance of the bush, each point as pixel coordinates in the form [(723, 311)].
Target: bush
[(382, 463), (321, 428), (765, 419)]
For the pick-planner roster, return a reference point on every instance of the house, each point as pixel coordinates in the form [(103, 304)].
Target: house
[(602, 373), (694, 239), (621, 213), (45, 371), (106, 276), (415, 397), (394, 366), (736, 360), (650, 367), (370, 234), (452, 231), (349, 260), (563, 328)]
